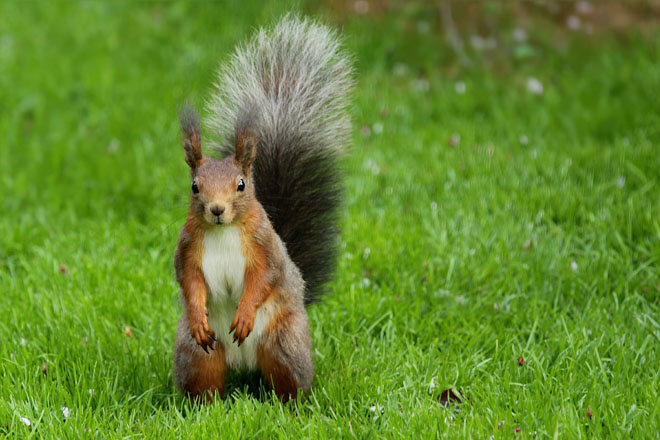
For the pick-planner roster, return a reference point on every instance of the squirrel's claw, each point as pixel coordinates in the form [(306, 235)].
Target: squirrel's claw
[(242, 325), (240, 333), (203, 335)]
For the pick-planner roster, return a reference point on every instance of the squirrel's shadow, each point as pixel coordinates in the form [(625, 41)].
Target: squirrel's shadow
[(238, 385), (250, 382)]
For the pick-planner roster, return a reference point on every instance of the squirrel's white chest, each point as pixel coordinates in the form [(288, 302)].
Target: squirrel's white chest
[(223, 264)]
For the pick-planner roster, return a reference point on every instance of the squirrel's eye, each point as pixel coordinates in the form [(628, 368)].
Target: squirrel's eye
[(195, 188), (241, 185)]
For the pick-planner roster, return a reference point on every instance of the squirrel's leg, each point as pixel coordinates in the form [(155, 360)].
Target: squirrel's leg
[(196, 373), (285, 355)]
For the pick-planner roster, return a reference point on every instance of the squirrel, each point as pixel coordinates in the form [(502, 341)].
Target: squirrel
[(260, 239)]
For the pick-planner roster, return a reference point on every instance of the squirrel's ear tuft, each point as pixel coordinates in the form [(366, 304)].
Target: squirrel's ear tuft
[(246, 150), (192, 143)]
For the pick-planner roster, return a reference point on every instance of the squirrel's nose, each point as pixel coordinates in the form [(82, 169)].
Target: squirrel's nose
[(217, 210)]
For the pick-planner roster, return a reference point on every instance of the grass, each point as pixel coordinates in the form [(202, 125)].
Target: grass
[(535, 235)]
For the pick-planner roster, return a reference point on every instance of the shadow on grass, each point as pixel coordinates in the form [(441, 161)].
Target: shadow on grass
[(240, 385)]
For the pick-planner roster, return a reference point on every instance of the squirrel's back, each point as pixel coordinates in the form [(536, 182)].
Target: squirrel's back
[(289, 86)]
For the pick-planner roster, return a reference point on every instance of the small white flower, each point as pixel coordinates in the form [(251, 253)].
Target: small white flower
[(113, 146), (366, 253), (434, 206), (480, 43), (431, 386), (573, 22), (377, 409), (459, 86), (377, 128), (25, 421), (421, 85), (535, 86), (65, 412), (90, 391), (361, 6), (584, 7), (523, 139), (366, 282), (400, 69), (621, 181), (372, 166), (477, 42), (23, 342), (574, 266), (519, 35)]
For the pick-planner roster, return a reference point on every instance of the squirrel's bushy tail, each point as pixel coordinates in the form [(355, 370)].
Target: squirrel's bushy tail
[(289, 85)]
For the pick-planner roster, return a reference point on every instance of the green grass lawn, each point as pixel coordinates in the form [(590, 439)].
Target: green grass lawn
[(481, 228)]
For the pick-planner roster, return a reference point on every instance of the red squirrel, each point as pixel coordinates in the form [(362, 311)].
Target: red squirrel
[(259, 242)]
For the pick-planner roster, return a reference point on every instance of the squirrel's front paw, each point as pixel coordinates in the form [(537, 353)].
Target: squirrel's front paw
[(202, 333), (242, 324)]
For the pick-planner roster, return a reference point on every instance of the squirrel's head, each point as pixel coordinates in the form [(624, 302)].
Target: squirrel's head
[(220, 189)]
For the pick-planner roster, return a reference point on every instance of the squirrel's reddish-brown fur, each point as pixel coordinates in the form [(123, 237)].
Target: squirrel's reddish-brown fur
[(269, 276), (243, 288)]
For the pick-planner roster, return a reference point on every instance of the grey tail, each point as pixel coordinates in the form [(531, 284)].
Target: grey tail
[(291, 86)]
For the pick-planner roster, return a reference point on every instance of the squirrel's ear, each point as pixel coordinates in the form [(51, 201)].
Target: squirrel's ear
[(192, 144), (246, 150)]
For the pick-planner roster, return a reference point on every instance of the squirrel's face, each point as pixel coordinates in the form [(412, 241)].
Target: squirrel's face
[(220, 191)]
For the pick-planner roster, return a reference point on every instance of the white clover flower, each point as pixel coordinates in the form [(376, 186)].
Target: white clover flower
[(400, 69), (366, 253), (534, 85), (584, 7), (519, 35), (421, 85), (573, 23)]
